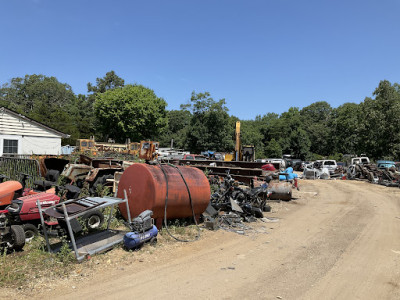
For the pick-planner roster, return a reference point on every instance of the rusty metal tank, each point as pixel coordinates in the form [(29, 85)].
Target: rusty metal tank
[(280, 190), (146, 188)]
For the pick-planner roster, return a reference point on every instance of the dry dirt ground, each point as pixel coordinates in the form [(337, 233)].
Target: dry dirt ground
[(337, 240)]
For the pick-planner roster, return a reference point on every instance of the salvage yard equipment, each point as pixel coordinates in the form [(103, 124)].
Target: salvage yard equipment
[(148, 150), (143, 230), (9, 190), (67, 213), (12, 237), (24, 211), (146, 188), (94, 171)]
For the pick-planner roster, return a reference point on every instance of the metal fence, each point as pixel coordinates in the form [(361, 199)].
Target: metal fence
[(13, 168)]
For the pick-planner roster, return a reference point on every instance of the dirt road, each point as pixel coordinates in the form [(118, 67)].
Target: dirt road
[(338, 240)]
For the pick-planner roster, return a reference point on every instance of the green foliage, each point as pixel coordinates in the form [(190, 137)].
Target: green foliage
[(209, 127), (65, 255), (316, 120), (132, 111), (108, 82), (112, 109), (176, 129), (273, 149), (103, 191), (44, 99)]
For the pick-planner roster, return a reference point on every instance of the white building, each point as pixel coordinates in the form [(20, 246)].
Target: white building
[(22, 135)]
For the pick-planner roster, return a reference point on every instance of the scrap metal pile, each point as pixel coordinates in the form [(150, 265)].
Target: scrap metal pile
[(387, 177), (233, 203), (248, 203)]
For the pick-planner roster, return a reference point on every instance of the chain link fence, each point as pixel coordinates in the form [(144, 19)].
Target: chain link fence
[(13, 168)]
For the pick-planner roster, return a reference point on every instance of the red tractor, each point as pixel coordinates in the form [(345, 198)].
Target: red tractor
[(24, 211), (9, 190), (12, 237)]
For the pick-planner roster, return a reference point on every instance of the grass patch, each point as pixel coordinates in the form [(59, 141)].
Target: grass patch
[(21, 268), (181, 228)]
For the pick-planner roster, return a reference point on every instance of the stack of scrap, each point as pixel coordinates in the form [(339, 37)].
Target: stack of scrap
[(371, 173), (247, 203)]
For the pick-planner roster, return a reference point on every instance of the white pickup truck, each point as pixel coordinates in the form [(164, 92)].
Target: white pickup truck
[(330, 164), (360, 160)]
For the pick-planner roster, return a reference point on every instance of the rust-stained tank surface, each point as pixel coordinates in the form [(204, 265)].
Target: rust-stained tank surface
[(146, 188), (280, 190)]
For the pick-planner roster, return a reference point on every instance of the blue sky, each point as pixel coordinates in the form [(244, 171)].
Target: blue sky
[(261, 56)]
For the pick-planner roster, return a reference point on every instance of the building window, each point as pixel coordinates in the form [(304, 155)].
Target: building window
[(10, 146)]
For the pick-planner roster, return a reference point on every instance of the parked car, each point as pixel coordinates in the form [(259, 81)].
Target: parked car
[(295, 163), (330, 164), (383, 164)]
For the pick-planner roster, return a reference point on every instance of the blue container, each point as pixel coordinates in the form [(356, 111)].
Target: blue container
[(290, 175), (133, 239)]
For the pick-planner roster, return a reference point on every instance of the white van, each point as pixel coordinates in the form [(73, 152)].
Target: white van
[(330, 164)]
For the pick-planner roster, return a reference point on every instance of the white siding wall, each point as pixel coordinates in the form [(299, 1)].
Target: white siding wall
[(11, 125), (32, 138), (41, 145), (33, 145)]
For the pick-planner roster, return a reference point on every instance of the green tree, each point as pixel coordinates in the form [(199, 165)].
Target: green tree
[(380, 127), (209, 127), (273, 149), (315, 120), (108, 82), (133, 111), (176, 130), (44, 99), (345, 128)]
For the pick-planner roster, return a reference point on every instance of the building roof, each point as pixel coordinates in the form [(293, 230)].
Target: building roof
[(25, 118)]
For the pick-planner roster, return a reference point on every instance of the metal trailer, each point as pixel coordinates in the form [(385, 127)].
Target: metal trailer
[(92, 243)]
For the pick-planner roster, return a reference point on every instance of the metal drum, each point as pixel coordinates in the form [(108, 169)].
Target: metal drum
[(146, 188), (280, 190)]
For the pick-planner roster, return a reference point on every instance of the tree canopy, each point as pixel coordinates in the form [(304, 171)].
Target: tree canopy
[(209, 126), (132, 111), (111, 109)]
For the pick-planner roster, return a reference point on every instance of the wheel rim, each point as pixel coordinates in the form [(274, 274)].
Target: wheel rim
[(94, 221), (29, 235)]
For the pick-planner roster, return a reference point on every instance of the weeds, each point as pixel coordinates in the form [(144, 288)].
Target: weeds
[(84, 190), (103, 191), (116, 218), (21, 268), (181, 228)]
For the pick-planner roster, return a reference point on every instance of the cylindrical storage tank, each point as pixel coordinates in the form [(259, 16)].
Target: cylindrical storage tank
[(146, 188), (280, 190)]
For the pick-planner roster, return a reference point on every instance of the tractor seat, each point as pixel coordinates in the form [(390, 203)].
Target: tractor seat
[(43, 185)]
